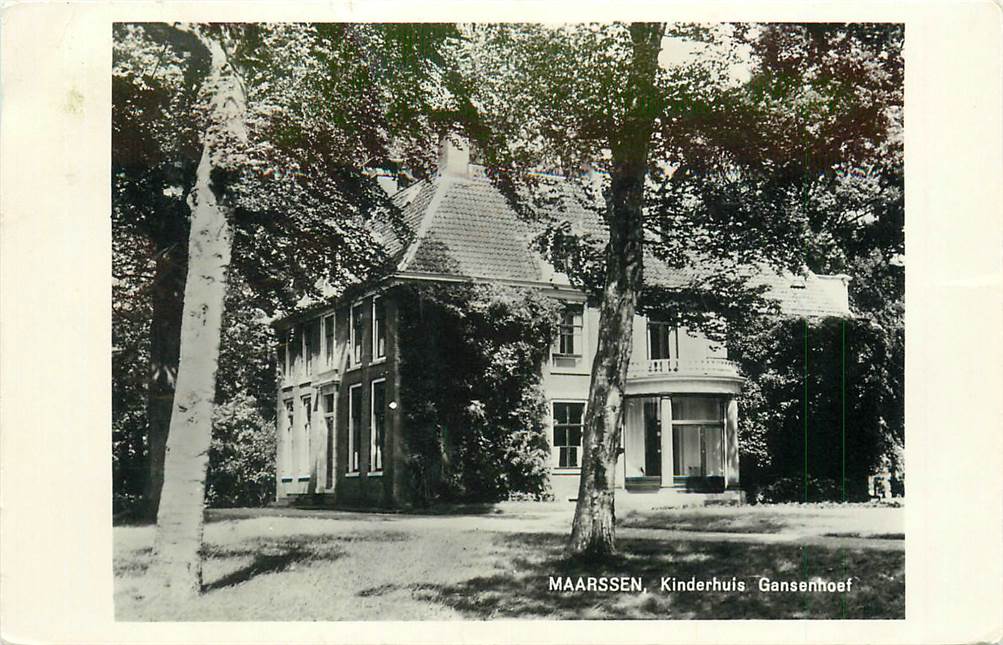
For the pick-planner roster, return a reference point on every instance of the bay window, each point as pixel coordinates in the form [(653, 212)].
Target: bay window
[(697, 436)]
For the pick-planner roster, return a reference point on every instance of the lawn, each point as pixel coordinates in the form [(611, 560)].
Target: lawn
[(358, 566), (851, 520)]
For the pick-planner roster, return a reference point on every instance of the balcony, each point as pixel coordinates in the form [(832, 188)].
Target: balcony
[(686, 367), (667, 375)]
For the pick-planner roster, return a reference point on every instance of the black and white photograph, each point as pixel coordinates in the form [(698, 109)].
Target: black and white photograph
[(488, 320), (539, 322)]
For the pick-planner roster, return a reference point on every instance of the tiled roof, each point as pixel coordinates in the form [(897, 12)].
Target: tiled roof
[(473, 232), (465, 228)]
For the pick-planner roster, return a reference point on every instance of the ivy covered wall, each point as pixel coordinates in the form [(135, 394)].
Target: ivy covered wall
[(471, 390)]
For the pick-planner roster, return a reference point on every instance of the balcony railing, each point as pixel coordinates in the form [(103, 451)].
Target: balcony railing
[(685, 367)]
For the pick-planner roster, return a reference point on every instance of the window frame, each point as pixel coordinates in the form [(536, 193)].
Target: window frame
[(578, 339), (353, 461), (373, 470), (670, 331), (328, 342), (376, 356), (555, 456), (355, 341), (288, 456), (330, 436), (303, 469), (701, 425), (282, 355), (307, 340)]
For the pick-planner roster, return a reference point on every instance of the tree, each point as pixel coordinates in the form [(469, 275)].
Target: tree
[(179, 517), (593, 528), (825, 104), (289, 117), (575, 98), (321, 108), (155, 83), (681, 158)]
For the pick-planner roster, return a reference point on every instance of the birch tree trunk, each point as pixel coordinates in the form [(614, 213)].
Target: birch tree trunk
[(178, 542), (593, 531)]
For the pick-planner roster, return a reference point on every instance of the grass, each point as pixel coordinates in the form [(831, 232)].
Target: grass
[(348, 566), (521, 589), (850, 520)]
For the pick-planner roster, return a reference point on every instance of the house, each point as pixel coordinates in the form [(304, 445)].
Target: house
[(339, 421)]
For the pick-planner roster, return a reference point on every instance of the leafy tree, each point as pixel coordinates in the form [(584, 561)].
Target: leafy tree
[(154, 154), (822, 407), (287, 118), (682, 159), (836, 90), (302, 191)]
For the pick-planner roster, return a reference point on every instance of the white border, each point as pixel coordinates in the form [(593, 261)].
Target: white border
[(54, 287)]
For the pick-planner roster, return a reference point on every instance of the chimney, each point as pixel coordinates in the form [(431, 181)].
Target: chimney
[(454, 156)]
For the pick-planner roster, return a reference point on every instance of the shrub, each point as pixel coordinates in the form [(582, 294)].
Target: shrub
[(836, 423), (242, 455), (793, 489)]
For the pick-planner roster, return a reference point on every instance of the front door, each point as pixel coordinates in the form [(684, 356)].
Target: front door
[(652, 439)]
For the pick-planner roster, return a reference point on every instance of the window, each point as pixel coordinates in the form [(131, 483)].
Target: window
[(293, 345), (280, 355), (697, 436), (568, 348), (329, 431), (329, 341), (568, 420), (287, 441), (659, 341), (308, 347), (379, 328), (357, 333), (377, 424), (354, 426), (304, 443)]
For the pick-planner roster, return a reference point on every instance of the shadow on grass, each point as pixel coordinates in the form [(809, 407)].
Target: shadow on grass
[(525, 563), (714, 523), (264, 563), (870, 536), (267, 555)]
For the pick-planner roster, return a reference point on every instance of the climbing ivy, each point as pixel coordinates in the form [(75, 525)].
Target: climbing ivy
[(471, 390)]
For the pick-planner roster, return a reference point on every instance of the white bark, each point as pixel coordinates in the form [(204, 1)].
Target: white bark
[(177, 557)]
